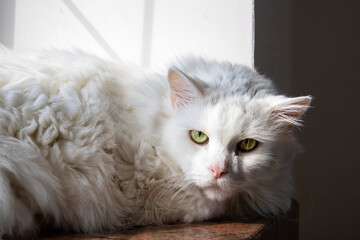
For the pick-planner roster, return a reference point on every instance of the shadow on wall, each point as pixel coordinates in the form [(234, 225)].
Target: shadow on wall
[(7, 22), (7, 26), (147, 31), (312, 47), (91, 29)]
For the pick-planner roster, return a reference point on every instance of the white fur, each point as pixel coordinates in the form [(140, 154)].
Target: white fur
[(88, 145)]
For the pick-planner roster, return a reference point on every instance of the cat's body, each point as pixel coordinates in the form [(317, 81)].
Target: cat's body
[(89, 145)]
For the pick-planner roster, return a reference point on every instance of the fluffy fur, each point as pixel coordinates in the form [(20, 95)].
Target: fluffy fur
[(88, 145)]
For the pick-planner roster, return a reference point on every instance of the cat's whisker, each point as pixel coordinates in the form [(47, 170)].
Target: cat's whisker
[(157, 207), (189, 187), (149, 198), (180, 190), (194, 187)]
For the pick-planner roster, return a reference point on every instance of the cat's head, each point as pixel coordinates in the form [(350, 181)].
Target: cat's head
[(230, 133)]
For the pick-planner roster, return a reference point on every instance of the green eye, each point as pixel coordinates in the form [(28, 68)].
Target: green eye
[(199, 137), (247, 145)]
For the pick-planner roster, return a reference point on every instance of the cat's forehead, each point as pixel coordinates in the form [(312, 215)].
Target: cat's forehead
[(232, 121), (228, 110), (228, 116)]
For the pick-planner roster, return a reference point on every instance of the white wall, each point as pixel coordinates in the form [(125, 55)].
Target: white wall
[(146, 32)]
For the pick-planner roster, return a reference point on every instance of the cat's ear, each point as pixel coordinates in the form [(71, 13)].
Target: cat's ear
[(288, 111), (183, 89)]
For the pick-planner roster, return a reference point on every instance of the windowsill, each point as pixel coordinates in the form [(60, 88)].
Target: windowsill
[(282, 227)]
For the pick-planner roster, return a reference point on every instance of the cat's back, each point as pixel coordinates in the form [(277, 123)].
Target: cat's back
[(73, 98), (62, 118), (53, 70), (67, 85)]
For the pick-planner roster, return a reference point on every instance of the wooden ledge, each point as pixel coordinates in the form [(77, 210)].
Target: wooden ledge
[(279, 228)]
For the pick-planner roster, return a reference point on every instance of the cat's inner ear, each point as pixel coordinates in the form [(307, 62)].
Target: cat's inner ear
[(183, 89), (290, 110)]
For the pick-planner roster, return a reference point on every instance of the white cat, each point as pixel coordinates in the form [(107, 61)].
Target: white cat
[(89, 145)]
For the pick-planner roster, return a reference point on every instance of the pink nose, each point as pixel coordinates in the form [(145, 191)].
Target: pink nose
[(217, 171)]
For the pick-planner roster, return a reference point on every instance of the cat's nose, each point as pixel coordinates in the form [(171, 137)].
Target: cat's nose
[(217, 171)]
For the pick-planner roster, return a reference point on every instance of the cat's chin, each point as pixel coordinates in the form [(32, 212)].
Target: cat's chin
[(217, 193)]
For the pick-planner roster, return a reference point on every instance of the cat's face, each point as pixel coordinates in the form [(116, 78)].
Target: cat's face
[(227, 145), (221, 162)]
